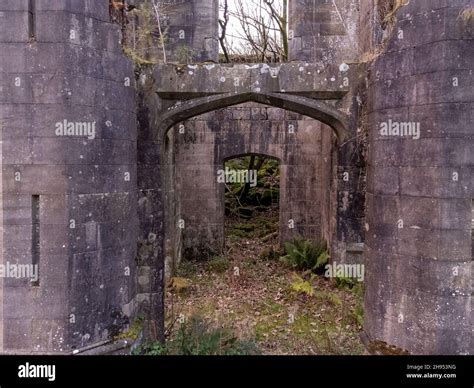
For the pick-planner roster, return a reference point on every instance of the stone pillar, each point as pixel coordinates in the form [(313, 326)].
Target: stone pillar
[(155, 181), (192, 30), (323, 30), (421, 183), (67, 112)]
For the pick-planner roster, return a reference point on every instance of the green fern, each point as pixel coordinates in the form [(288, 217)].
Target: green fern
[(302, 286), (345, 282), (303, 254)]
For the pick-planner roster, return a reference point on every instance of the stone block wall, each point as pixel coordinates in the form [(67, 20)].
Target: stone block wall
[(368, 24), (191, 30), (68, 200), (155, 190), (324, 30), (420, 188)]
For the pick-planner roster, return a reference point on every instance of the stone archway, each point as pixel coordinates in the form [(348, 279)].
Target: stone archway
[(176, 93), (303, 105), (302, 169)]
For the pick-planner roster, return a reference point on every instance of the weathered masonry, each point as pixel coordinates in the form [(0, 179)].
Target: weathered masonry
[(101, 160)]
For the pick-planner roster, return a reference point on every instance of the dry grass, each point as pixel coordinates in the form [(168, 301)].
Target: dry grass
[(143, 44), (468, 15), (370, 56), (388, 10), (260, 304)]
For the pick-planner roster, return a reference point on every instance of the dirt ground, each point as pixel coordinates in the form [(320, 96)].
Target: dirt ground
[(248, 290)]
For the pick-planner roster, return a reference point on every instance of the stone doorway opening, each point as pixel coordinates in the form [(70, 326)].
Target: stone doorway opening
[(226, 277), (252, 205), (197, 152)]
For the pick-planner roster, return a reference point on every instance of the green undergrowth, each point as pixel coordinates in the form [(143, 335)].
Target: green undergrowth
[(304, 254), (196, 337)]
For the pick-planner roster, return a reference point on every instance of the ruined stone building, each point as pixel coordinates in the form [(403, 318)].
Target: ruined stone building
[(108, 166)]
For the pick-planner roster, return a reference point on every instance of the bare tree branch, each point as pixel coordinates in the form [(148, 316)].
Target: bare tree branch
[(156, 7), (261, 30), (223, 24)]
